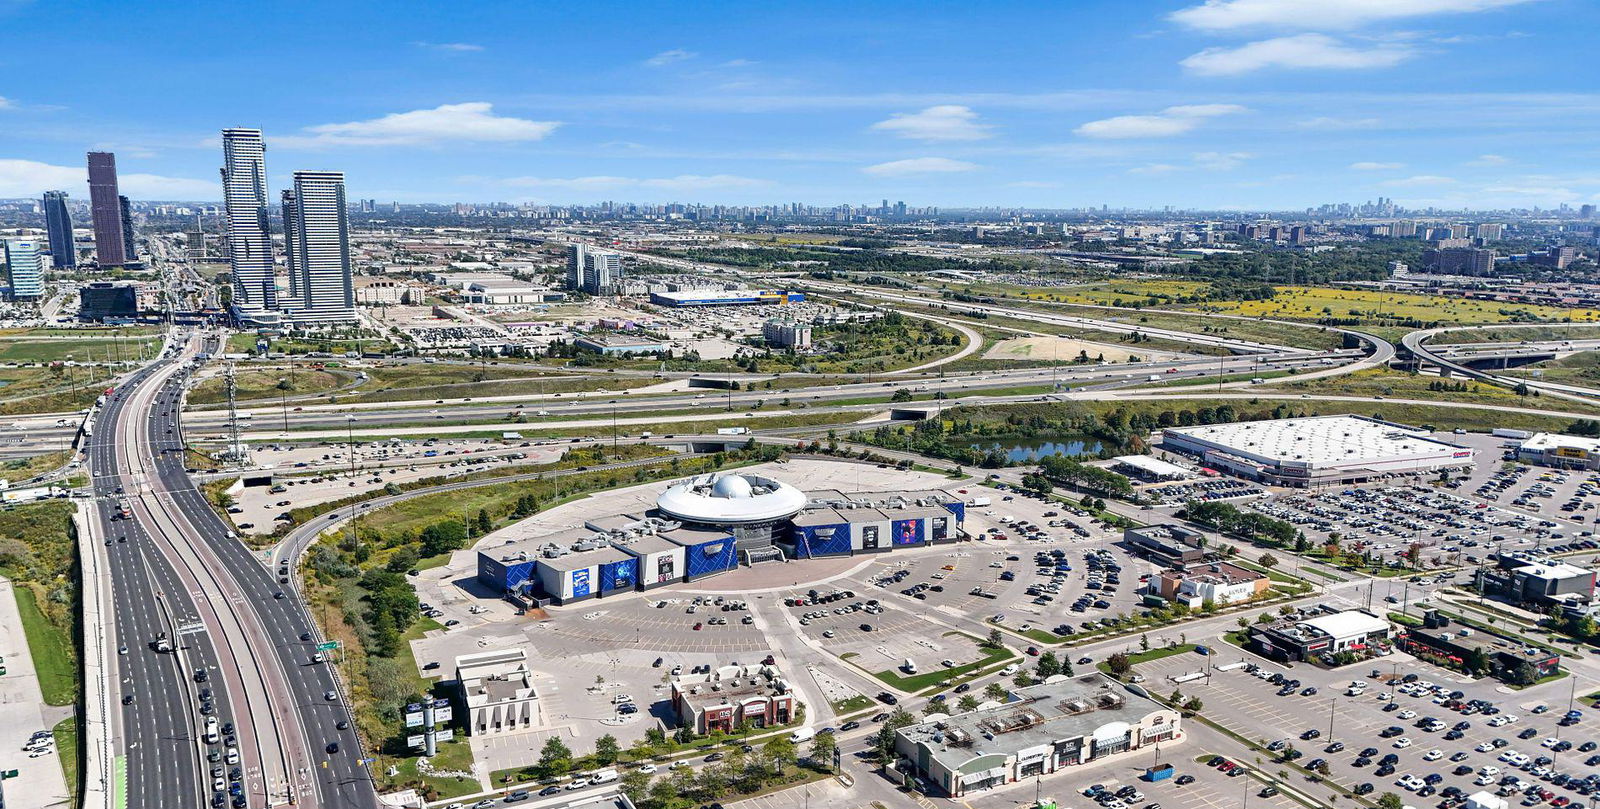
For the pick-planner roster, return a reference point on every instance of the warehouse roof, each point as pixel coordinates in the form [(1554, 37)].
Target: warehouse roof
[(1318, 440)]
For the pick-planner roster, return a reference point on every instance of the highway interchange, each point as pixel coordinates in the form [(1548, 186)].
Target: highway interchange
[(177, 572)]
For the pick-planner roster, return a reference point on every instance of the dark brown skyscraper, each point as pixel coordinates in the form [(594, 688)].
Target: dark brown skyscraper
[(105, 208)]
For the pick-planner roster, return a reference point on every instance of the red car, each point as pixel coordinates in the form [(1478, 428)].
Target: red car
[(697, 626)]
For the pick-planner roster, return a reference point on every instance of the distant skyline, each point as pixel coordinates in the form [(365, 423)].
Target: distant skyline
[(1211, 104)]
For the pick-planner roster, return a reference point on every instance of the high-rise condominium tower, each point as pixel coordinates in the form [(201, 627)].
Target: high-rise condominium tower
[(130, 253), (244, 193), (24, 270), (317, 223), (58, 223), (105, 208)]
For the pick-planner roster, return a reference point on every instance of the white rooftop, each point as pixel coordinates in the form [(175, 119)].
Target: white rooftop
[(1547, 441), (1154, 466), (731, 497), (1347, 624), (1317, 440)]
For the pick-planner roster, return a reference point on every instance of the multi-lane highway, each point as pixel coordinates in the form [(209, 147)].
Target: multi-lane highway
[(180, 574)]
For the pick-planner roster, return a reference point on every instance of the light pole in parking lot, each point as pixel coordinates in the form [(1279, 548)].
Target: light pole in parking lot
[(1331, 703)]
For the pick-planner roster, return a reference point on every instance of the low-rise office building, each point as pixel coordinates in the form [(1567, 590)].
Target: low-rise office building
[(1219, 583), (1541, 583), (497, 690), (1167, 545), (1041, 729), (754, 696)]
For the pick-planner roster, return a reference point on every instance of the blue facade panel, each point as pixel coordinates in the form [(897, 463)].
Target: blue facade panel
[(907, 532), (710, 557), (822, 540), (957, 508), (582, 584), (502, 576), (621, 575)]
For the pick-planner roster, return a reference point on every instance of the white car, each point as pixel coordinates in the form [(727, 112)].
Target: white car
[(1385, 696), (1484, 747), (1550, 741), (1402, 742), (1406, 714), (1489, 770), (578, 783), (647, 768), (1433, 755)]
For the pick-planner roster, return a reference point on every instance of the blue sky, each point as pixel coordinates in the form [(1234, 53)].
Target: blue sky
[(1190, 103)]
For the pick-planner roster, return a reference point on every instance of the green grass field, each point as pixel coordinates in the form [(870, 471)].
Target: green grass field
[(68, 747), (51, 645), (87, 349)]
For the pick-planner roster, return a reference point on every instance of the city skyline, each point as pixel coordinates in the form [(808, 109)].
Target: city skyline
[(1240, 104)]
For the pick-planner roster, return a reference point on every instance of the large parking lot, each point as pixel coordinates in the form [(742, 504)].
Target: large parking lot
[(1444, 733)]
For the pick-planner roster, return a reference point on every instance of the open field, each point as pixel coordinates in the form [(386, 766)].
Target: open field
[(1582, 368), (1517, 335), (1307, 303), (25, 468), (87, 349), (1067, 349), (264, 383)]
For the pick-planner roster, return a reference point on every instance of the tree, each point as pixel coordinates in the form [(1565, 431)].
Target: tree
[(606, 749), (555, 757), (823, 746), (1193, 705), (883, 741), (995, 691), (1119, 664), (442, 537), (1267, 560), (901, 395), (1389, 800), (995, 639), (778, 753), (485, 525), (1144, 641), (967, 704), (635, 784), (1047, 666)]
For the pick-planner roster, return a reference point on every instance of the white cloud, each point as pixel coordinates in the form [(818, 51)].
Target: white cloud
[(919, 165), (1298, 52), (1538, 192), (473, 122), (1489, 160), (665, 58), (450, 47), (1420, 180), (1221, 161), (1154, 168), (5, 102), (1171, 121), (29, 178), (1229, 15), (682, 182), (938, 123), (1327, 122), (155, 186), (1368, 165)]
